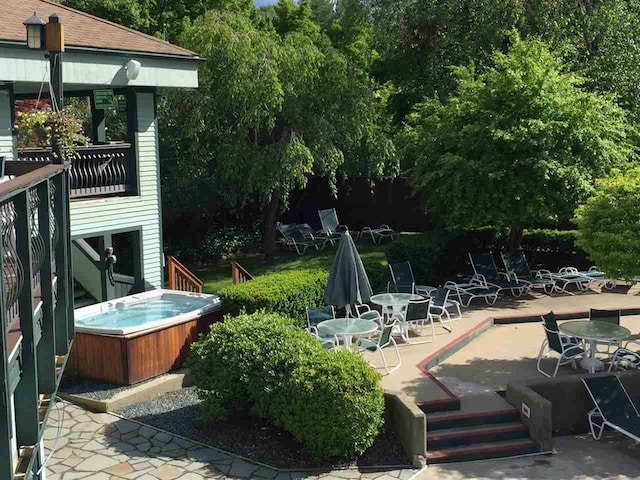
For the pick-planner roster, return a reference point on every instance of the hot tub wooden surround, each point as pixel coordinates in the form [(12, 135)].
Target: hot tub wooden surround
[(129, 359)]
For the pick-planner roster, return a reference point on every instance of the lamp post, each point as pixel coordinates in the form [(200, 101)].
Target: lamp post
[(49, 36)]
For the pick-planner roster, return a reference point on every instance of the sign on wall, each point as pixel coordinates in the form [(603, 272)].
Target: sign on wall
[(103, 99)]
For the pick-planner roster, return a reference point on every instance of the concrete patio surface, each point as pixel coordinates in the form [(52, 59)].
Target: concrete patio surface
[(578, 458), (500, 353)]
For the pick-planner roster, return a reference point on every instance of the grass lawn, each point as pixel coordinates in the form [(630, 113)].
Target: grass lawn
[(217, 275)]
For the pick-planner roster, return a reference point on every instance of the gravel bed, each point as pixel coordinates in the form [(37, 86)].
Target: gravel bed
[(95, 390), (178, 412)]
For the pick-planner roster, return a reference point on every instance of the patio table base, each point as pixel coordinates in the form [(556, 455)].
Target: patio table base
[(592, 364)]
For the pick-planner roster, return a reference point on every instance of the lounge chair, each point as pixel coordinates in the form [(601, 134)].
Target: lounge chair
[(403, 281), (476, 287), (517, 268), (331, 227), (384, 339), (599, 276), (624, 359), (567, 276), (378, 234), (567, 347), (295, 239), (613, 407), (485, 267)]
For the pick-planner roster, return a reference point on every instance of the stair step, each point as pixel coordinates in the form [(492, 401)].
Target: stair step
[(445, 421), (78, 293), (454, 437), (483, 451)]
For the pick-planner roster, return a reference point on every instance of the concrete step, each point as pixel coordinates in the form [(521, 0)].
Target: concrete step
[(444, 421), (455, 437), (483, 451)]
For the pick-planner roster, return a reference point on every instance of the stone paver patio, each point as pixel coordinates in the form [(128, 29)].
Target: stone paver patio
[(102, 446)]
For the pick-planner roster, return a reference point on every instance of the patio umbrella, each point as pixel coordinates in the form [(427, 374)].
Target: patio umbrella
[(348, 282)]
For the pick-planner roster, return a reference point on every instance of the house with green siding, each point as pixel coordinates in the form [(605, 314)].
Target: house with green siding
[(115, 190), (90, 225)]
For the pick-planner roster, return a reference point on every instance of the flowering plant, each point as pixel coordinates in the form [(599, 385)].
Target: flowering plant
[(41, 128)]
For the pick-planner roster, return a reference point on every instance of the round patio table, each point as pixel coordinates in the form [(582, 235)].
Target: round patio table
[(347, 328), (593, 332)]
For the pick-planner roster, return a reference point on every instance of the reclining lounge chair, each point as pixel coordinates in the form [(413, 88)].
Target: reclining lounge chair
[(298, 241), (613, 407), (518, 269), (485, 268), (331, 227), (380, 233)]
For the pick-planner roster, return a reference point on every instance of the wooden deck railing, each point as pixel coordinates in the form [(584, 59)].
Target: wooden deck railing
[(239, 274), (95, 169), (181, 278)]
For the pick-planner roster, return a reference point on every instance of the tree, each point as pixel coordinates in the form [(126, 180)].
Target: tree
[(275, 107), (609, 225), (517, 145)]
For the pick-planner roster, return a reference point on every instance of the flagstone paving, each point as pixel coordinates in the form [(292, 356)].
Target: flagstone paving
[(101, 446)]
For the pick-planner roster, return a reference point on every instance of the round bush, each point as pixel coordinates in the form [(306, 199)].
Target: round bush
[(331, 402)]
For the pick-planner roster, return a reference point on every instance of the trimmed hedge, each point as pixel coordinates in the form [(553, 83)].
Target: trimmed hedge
[(422, 250), (551, 240), (287, 293), (331, 402)]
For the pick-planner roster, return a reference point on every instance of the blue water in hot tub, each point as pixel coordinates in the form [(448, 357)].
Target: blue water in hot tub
[(138, 314)]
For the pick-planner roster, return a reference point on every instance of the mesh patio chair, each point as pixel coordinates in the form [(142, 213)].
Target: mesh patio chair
[(624, 359), (484, 267), (379, 234), (567, 349), (300, 242), (441, 306), (613, 407), (468, 290), (331, 227), (402, 280), (609, 316), (384, 340), (416, 316), (517, 268), (317, 315)]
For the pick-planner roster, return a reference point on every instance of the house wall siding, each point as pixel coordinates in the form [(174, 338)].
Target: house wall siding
[(6, 141), (143, 211)]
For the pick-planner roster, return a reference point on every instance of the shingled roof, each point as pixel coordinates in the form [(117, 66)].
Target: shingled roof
[(82, 29)]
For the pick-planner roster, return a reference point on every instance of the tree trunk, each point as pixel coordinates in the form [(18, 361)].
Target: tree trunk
[(270, 223), (515, 238)]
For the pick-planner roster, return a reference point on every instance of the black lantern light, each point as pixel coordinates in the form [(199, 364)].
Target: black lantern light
[(35, 32)]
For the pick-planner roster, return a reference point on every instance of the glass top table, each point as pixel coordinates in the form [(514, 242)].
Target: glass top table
[(395, 299), (347, 328), (594, 332)]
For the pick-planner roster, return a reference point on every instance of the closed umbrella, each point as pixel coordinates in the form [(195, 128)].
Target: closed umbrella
[(348, 282)]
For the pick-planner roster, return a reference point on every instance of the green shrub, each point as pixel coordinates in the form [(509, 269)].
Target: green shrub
[(378, 273), (550, 240), (288, 293), (331, 402), (422, 250), (609, 225)]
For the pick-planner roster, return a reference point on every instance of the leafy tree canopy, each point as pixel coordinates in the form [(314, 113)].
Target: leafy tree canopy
[(520, 144), (275, 106), (609, 225)]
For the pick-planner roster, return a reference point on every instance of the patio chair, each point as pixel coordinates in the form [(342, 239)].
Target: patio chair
[(613, 407), (284, 229), (316, 315), (484, 267), (403, 281), (331, 227), (416, 316), (295, 239), (567, 349), (379, 234), (468, 290), (384, 339), (610, 316), (624, 359), (517, 268), (441, 305), (598, 276)]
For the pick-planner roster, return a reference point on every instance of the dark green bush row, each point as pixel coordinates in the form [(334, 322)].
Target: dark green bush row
[(436, 256), (378, 273), (550, 240), (288, 293), (331, 402)]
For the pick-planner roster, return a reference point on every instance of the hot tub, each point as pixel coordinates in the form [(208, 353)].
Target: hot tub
[(134, 338)]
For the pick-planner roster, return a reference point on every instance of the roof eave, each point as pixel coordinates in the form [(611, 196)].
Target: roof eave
[(114, 52)]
